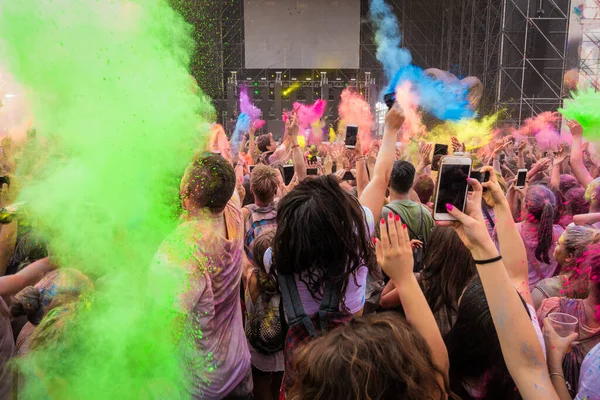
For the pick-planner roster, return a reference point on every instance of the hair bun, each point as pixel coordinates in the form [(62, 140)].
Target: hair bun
[(28, 302)]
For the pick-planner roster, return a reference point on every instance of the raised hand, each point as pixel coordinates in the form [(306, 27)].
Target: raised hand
[(424, 154), (575, 128), (494, 194), (394, 119), (456, 145), (394, 252), (560, 156)]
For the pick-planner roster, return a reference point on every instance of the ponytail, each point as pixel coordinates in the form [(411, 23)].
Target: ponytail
[(545, 234)]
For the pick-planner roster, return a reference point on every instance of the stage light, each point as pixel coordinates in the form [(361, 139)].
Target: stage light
[(294, 79), (338, 79), (346, 84), (255, 83), (309, 79), (353, 79), (262, 79), (256, 92)]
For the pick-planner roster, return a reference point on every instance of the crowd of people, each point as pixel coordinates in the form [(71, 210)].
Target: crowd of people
[(339, 284)]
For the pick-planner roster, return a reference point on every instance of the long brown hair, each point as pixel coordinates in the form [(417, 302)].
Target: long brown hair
[(377, 357)]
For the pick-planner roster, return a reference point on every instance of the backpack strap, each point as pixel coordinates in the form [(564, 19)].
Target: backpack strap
[(330, 303), (486, 212), (292, 304)]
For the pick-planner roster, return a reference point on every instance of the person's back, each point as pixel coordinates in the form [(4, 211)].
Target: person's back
[(539, 233), (416, 216), (212, 240), (264, 182)]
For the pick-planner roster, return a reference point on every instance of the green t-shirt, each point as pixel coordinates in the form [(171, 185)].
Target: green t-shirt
[(411, 213)]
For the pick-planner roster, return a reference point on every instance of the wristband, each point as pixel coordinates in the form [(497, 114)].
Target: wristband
[(491, 260), (361, 158), (295, 146), (562, 376)]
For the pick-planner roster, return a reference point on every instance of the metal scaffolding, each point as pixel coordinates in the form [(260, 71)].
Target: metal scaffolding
[(589, 63), (532, 57)]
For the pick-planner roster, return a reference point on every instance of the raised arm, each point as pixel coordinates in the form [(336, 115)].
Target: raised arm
[(251, 144), (519, 343), (362, 176), (28, 276), (511, 243), (586, 219), (374, 194), (395, 256), (297, 156), (557, 162), (577, 167)]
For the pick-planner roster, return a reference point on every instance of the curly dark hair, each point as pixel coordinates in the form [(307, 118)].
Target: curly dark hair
[(322, 236), (380, 356)]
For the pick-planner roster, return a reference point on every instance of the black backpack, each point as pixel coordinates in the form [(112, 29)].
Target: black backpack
[(418, 254)]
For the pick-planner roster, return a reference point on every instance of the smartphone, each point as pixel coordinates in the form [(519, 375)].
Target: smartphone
[(351, 134), (439, 151), (516, 152), (545, 154), (251, 167), (312, 171), (521, 178), (481, 177), (389, 99), (3, 180), (348, 176), (288, 173), (452, 186), (502, 158)]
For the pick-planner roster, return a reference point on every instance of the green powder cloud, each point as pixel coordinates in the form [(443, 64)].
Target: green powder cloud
[(112, 101)]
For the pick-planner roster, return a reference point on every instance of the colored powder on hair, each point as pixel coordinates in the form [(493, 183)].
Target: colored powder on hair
[(355, 110), (584, 108), (109, 87)]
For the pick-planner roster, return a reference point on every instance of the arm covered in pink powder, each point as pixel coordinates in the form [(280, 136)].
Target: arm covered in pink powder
[(578, 168)]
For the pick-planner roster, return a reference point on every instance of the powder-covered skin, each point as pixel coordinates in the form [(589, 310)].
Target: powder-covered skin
[(114, 105)]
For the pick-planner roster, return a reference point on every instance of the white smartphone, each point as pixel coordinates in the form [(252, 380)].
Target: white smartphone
[(452, 186), (521, 178)]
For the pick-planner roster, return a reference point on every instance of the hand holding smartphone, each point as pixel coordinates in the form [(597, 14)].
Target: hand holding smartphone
[(521, 178), (439, 151), (351, 135), (452, 186)]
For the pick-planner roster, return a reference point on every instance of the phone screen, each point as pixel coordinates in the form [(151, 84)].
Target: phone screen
[(288, 173), (312, 171), (251, 167), (521, 178), (351, 133), (452, 187), (481, 177), (502, 158), (439, 151)]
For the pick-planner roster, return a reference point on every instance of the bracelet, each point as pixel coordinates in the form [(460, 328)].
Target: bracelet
[(491, 260), (361, 158), (295, 146), (565, 379)]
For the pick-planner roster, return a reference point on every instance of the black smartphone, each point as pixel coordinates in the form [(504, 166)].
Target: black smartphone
[(545, 154), (481, 177), (351, 134), (502, 158), (3, 180), (452, 186), (348, 176), (389, 99), (439, 151), (521, 178), (312, 171), (251, 167), (288, 174)]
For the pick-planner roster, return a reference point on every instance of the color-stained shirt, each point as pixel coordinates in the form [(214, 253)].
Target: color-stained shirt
[(412, 213), (210, 257), (7, 349), (589, 378)]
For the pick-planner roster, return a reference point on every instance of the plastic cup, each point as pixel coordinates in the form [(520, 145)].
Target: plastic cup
[(563, 324)]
